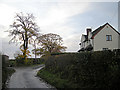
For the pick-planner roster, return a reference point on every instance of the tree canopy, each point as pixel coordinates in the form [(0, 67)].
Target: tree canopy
[(50, 43), (22, 30), (25, 31)]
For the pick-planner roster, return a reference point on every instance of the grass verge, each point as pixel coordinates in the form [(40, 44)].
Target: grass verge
[(6, 73), (55, 80)]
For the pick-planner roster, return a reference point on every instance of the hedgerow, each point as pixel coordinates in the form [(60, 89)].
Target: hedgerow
[(100, 69)]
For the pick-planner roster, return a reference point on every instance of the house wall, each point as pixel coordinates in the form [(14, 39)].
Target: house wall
[(89, 37), (82, 41), (86, 44), (100, 39), (119, 42)]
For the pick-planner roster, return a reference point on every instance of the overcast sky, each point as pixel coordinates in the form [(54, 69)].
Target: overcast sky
[(67, 18)]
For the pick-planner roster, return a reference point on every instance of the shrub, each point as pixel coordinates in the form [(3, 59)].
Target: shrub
[(6, 72), (99, 69)]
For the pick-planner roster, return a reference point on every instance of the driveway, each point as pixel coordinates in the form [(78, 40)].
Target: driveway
[(25, 77)]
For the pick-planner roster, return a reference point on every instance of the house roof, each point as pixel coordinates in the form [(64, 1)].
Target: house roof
[(94, 33), (86, 38)]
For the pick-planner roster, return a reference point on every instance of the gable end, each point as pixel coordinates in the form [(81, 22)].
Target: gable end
[(100, 28)]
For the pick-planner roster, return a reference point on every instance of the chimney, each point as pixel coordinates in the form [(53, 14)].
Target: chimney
[(88, 31)]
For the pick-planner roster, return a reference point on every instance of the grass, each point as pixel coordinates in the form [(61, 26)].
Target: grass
[(6, 73), (10, 71), (55, 80)]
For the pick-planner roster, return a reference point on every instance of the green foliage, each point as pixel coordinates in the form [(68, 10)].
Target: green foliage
[(23, 30), (19, 60), (54, 80), (50, 43), (6, 72), (12, 63), (99, 69), (5, 75), (36, 61)]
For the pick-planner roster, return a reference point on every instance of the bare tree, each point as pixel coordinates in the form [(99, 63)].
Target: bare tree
[(22, 30)]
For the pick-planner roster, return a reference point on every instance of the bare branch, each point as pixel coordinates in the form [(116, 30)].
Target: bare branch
[(23, 29)]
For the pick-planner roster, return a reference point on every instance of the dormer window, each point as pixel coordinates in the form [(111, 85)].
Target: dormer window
[(108, 37)]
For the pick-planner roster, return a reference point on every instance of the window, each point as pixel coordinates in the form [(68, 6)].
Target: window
[(105, 49), (108, 37)]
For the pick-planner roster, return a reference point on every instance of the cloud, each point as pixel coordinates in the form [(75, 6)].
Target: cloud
[(68, 18), (60, 13), (2, 31), (72, 43), (57, 19), (12, 48), (32, 1), (9, 49), (7, 14)]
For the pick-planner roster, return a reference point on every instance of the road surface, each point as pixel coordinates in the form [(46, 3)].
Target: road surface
[(25, 77)]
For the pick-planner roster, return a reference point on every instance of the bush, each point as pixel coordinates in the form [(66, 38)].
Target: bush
[(99, 69), (12, 63), (6, 72), (54, 79)]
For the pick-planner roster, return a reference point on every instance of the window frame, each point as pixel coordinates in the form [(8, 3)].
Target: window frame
[(108, 37), (104, 49)]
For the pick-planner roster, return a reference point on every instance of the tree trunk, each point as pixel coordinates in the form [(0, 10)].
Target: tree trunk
[(24, 49), (25, 45), (35, 50)]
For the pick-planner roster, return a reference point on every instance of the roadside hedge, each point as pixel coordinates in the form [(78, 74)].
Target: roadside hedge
[(6, 72), (99, 69)]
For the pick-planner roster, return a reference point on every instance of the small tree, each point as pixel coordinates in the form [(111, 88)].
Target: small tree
[(22, 30), (34, 43), (51, 43)]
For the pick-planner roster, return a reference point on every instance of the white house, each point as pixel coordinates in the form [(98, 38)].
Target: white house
[(104, 37)]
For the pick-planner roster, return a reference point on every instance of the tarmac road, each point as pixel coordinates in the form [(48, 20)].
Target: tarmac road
[(25, 77)]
